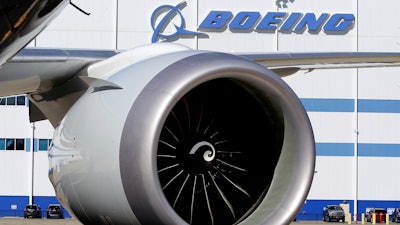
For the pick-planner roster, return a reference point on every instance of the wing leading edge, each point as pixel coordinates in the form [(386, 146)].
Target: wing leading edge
[(285, 64)]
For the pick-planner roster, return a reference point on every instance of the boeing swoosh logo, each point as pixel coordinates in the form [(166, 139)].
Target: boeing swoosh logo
[(170, 12)]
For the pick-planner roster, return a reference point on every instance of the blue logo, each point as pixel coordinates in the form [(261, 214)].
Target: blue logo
[(218, 21), (246, 22), (170, 12)]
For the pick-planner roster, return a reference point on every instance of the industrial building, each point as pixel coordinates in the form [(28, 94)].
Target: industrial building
[(355, 113)]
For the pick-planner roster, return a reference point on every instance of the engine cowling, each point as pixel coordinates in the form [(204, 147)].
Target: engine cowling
[(192, 137)]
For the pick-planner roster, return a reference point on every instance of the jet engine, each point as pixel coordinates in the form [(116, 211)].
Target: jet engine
[(170, 135)]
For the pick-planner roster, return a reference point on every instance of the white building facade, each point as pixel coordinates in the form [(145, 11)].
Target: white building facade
[(355, 113)]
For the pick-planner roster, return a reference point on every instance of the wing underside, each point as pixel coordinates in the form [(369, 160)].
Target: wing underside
[(43, 69)]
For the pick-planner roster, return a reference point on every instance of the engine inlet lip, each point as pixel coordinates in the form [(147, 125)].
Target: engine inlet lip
[(150, 110)]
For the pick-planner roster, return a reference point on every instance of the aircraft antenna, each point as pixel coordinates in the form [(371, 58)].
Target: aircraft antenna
[(77, 7)]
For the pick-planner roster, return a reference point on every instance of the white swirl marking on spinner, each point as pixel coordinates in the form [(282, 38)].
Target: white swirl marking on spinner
[(208, 155)]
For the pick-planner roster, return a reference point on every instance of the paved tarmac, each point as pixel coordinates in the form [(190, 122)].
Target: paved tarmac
[(21, 221)]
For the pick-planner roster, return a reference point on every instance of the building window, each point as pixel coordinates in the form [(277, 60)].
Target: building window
[(2, 144), (13, 100), (10, 101), (19, 144), (12, 144), (44, 144), (21, 100)]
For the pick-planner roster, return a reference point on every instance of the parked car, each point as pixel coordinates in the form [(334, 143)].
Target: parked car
[(396, 215), (379, 213), (333, 213), (32, 211), (54, 211)]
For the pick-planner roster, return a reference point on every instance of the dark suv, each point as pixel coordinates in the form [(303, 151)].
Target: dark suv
[(396, 215), (333, 213), (32, 211), (379, 213), (55, 211)]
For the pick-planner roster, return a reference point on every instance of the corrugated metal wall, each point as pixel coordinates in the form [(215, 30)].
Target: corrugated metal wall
[(354, 113)]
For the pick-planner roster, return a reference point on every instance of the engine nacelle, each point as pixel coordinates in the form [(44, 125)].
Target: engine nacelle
[(192, 137)]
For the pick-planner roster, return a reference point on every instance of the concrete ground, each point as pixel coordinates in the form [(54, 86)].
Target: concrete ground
[(21, 221)]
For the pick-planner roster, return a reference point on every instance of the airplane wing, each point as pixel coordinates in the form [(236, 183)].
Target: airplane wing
[(35, 68), (285, 64), (42, 72)]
